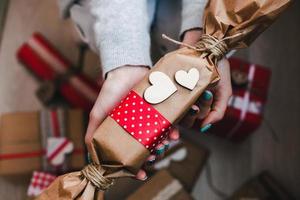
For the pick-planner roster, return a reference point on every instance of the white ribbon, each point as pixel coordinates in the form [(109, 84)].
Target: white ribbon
[(244, 104), (59, 68)]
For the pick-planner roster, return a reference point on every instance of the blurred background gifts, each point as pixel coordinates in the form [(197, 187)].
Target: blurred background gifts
[(57, 73), (262, 186), (48, 140), (244, 113), (50, 79), (161, 186)]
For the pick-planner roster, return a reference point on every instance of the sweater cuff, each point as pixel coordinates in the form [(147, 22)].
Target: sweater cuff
[(116, 52), (192, 14), (190, 22)]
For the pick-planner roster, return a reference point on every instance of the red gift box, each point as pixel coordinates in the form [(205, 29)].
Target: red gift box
[(40, 57), (244, 113)]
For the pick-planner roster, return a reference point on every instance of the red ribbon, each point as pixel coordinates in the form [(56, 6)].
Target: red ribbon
[(32, 154), (141, 120)]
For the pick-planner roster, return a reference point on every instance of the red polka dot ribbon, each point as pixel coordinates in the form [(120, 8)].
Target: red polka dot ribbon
[(141, 120)]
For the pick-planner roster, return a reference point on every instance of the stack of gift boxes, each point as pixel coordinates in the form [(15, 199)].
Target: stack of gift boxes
[(50, 142)]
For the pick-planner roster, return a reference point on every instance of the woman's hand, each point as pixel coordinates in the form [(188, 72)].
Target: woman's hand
[(117, 84), (120, 81), (211, 108)]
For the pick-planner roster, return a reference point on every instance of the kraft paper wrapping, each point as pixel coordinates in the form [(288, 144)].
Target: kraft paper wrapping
[(116, 153)]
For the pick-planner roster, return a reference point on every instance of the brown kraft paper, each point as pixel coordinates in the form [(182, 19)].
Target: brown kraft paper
[(235, 24)]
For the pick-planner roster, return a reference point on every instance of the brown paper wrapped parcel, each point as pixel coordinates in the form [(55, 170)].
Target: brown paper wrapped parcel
[(227, 25)]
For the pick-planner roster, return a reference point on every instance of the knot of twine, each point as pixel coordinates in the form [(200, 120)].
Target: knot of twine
[(96, 177), (208, 45)]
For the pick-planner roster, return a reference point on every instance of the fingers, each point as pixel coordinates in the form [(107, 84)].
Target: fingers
[(200, 110), (189, 119), (160, 150), (219, 108), (191, 37), (222, 93), (205, 103), (174, 134), (141, 175), (96, 116)]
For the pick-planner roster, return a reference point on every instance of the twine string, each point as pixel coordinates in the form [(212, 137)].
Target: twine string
[(209, 45), (91, 173)]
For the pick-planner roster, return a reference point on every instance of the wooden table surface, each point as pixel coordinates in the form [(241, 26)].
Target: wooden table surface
[(230, 164)]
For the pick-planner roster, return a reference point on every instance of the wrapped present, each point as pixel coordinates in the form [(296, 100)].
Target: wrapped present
[(126, 137), (41, 58), (39, 182), (244, 113), (261, 187), (50, 140), (183, 160), (162, 186)]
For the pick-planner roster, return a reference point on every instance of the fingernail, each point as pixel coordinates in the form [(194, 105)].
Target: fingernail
[(166, 143), (205, 128), (151, 159), (160, 150), (194, 110), (207, 95), (89, 158), (145, 178)]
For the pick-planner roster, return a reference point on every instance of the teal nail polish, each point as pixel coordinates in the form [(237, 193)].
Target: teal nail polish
[(167, 146), (166, 143), (205, 128), (89, 158), (151, 159), (160, 150), (207, 95)]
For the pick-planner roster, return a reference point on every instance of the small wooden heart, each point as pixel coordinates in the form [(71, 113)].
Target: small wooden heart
[(162, 87), (187, 79)]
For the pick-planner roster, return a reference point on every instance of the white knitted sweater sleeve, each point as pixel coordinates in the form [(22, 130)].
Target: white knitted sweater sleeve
[(192, 13), (121, 32), (122, 29)]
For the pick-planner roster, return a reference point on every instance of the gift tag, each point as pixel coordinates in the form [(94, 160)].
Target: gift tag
[(162, 88), (187, 79), (57, 148)]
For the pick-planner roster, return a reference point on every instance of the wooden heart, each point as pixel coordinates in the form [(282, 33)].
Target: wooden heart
[(187, 79), (162, 87)]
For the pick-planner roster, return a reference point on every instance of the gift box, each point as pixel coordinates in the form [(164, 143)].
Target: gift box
[(244, 113), (261, 187), (142, 120), (50, 140), (44, 61), (183, 160), (162, 186), (39, 182)]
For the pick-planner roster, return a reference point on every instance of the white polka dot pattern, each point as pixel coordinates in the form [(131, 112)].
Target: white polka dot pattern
[(141, 120)]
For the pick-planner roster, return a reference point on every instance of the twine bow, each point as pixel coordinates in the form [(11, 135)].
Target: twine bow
[(96, 177), (208, 45)]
